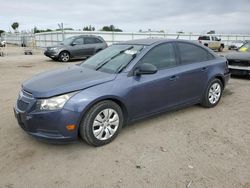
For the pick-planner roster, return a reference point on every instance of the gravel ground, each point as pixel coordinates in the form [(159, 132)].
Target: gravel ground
[(194, 147)]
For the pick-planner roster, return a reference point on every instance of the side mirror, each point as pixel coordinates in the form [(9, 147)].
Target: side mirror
[(145, 68), (73, 44), (219, 39)]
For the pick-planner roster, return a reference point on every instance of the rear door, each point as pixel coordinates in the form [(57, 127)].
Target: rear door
[(193, 74), (90, 45)]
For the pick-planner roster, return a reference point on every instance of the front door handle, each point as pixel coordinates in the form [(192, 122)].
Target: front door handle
[(173, 78)]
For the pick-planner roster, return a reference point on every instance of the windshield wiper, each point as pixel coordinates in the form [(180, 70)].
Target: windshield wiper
[(123, 66), (100, 65)]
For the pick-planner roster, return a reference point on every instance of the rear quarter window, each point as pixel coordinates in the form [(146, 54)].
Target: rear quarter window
[(190, 53)]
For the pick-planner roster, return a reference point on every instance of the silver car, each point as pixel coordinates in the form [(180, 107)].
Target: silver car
[(76, 47)]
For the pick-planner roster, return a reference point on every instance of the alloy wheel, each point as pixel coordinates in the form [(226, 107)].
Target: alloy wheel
[(214, 93), (105, 124), (65, 57)]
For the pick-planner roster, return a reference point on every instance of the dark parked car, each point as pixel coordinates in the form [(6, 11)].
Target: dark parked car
[(123, 83), (239, 62), (76, 47)]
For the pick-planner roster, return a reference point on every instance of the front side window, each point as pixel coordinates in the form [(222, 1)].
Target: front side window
[(162, 56), (68, 41), (78, 41), (190, 53)]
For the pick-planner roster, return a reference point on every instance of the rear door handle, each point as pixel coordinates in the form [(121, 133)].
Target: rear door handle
[(204, 69), (173, 78)]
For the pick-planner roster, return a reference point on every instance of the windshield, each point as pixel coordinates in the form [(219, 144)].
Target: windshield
[(67, 41), (245, 47), (113, 59)]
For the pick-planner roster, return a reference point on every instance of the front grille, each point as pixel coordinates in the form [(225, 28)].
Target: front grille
[(21, 105), (26, 94), (239, 63)]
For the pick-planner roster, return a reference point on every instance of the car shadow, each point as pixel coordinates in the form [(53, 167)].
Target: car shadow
[(240, 77)]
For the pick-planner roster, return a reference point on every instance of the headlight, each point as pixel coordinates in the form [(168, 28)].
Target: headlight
[(54, 49), (54, 103)]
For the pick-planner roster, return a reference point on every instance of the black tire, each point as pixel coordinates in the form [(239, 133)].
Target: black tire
[(86, 126), (64, 56), (54, 59), (221, 48), (205, 100)]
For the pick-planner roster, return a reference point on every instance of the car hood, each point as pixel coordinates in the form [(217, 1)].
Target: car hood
[(239, 56), (56, 46), (65, 80)]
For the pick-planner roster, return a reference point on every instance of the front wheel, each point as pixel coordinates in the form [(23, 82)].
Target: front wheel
[(64, 56), (102, 123), (212, 94)]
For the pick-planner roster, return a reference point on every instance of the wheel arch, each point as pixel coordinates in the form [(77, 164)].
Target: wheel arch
[(221, 78), (110, 98)]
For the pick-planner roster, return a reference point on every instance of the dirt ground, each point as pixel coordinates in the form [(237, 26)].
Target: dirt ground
[(194, 147)]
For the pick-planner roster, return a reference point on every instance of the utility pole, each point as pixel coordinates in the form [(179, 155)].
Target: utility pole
[(61, 27)]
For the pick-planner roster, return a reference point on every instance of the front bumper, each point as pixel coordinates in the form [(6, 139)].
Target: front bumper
[(239, 70), (227, 77), (51, 54), (49, 126)]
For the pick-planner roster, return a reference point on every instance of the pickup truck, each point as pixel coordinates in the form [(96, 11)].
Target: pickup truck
[(211, 42)]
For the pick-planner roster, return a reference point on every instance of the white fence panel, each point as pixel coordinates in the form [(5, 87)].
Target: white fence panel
[(53, 38)]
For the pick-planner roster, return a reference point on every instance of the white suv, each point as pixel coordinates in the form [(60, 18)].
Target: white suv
[(211, 42)]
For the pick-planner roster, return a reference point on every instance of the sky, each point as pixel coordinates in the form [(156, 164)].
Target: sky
[(190, 16)]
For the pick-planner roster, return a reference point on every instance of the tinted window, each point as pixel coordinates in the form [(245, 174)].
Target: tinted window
[(190, 53), (90, 40), (162, 56), (78, 41), (204, 38), (97, 40)]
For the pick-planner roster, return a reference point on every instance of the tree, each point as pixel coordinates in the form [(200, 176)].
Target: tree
[(88, 28), (15, 26), (211, 32), (111, 28), (35, 30), (1, 31)]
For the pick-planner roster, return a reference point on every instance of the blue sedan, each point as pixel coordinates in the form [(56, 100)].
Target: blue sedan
[(125, 82)]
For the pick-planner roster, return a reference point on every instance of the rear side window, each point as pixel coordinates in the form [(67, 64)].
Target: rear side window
[(91, 40), (97, 40), (162, 56), (190, 53)]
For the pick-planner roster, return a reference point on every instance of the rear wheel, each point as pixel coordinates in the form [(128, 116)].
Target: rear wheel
[(212, 94), (221, 49), (64, 56), (102, 123)]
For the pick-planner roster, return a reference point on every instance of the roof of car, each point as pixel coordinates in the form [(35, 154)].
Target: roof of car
[(87, 36), (147, 41), (151, 41)]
